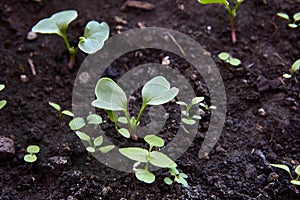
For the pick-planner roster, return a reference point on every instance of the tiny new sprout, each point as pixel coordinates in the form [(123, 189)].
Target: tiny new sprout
[(2, 102), (231, 12), (229, 59), (148, 157), (190, 119), (294, 181), (112, 98), (95, 33), (93, 143), (296, 18), (294, 68), (31, 150), (59, 111), (178, 177)]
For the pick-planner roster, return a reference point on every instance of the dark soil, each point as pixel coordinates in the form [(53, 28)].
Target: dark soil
[(237, 168)]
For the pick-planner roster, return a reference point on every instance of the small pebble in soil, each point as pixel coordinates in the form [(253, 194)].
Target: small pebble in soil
[(272, 177), (166, 61), (7, 148), (24, 78), (262, 112), (31, 35)]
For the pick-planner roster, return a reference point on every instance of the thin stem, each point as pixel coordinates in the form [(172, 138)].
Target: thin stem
[(233, 36), (140, 113)]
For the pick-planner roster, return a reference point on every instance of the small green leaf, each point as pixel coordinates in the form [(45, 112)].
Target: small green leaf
[(90, 149), (123, 120), (2, 87), (76, 123), (113, 115), (173, 171), (135, 153), (161, 160), (214, 1), (297, 170), (224, 56), (94, 119), (293, 25), (30, 158), (182, 181), (68, 113), (157, 91), (2, 103), (295, 66), (234, 62), (284, 167), (168, 181), (181, 103), (94, 36), (98, 141), (296, 16), (83, 136), (183, 112), (284, 16), (33, 149), (124, 132), (188, 121), (154, 140), (287, 76), (145, 176), (55, 106), (196, 100), (106, 149), (197, 117), (295, 182), (56, 24), (213, 107), (183, 175), (109, 96)]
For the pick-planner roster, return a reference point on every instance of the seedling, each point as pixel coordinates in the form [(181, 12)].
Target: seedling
[(112, 98), (148, 157), (32, 150), (292, 24), (2, 102), (294, 181), (95, 33), (178, 177), (59, 111), (231, 12), (229, 59), (94, 144), (190, 119), (294, 68), (207, 107)]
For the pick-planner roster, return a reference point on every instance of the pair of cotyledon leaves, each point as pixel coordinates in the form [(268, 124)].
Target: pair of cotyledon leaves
[(95, 33), (110, 96)]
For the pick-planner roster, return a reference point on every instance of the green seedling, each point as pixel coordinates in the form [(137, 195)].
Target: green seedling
[(188, 119), (231, 12), (178, 177), (32, 150), (292, 24), (229, 59), (94, 144), (207, 107), (294, 181), (2, 102), (294, 68), (59, 111), (112, 98), (95, 33), (148, 157)]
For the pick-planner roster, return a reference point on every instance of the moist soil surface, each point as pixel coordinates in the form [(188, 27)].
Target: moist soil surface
[(262, 119)]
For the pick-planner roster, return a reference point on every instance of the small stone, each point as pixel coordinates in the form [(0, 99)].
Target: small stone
[(59, 160), (193, 77), (166, 116), (250, 171), (71, 198), (272, 177), (181, 7), (31, 35), (119, 20), (119, 27), (7, 148), (166, 61), (24, 78), (262, 112)]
